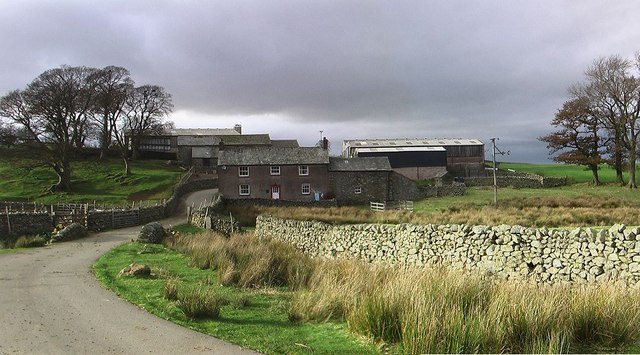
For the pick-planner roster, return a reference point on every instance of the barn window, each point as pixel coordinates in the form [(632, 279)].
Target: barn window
[(275, 170), (243, 171), (244, 190), (357, 190), (306, 189)]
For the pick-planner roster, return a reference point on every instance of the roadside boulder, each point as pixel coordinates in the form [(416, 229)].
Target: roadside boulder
[(70, 232), (136, 270), (152, 233)]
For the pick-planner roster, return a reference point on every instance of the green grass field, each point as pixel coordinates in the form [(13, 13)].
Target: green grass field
[(22, 179), (575, 173)]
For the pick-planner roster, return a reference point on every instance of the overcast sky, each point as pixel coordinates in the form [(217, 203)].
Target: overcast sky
[(353, 69)]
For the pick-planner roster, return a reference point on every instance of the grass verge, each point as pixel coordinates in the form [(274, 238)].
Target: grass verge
[(253, 318)]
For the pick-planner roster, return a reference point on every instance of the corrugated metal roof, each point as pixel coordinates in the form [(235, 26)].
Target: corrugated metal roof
[(401, 142), (201, 132), (359, 164), (399, 149), (273, 156)]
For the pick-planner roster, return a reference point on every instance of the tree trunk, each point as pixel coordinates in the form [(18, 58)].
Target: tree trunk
[(594, 171), (617, 158), (632, 165), (105, 140), (64, 178), (127, 168), (135, 144)]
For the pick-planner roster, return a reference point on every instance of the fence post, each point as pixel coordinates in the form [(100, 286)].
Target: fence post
[(8, 222)]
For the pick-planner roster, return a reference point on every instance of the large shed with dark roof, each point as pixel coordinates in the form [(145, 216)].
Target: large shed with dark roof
[(423, 158)]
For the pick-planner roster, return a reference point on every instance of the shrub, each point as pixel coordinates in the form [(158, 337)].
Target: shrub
[(197, 303), (30, 242)]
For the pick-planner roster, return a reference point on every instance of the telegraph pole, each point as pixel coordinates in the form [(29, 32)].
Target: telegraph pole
[(495, 179)]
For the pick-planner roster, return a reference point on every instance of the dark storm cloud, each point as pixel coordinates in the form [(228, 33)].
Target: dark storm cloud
[(359, 68)]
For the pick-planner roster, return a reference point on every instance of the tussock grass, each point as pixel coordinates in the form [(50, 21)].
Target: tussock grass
[(243, 260), (29, 242), (527, 211), (200, 302), (444, 311)]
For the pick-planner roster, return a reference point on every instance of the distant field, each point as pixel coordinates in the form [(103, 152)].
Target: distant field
[(575, 173), (21, 179)]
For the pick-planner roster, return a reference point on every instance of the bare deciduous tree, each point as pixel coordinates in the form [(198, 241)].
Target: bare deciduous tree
[(52, 111), (145, 109)]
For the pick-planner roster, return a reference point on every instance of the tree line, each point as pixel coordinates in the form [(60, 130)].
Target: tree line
[(64, 109), (600, 122)]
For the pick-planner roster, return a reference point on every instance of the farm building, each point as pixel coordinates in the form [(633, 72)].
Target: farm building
[(278, 173), (201, 147), (423, 158)]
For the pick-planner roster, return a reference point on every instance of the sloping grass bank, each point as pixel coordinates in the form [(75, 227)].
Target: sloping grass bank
[(23, 179)]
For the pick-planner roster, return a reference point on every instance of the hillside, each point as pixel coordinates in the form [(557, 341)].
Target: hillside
[(24, 179), (575, 173)]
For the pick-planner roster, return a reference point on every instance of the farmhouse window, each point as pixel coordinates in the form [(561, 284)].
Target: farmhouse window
[(357, 190), (275, 170), (303, 170), (306, 189), (243, 171), (244, 190)]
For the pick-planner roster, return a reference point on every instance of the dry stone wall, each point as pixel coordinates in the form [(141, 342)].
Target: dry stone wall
[(510, 252)]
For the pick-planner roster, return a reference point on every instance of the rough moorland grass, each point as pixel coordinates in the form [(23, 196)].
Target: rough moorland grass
[(22, 179), (573, 205), (245, 261), (262, 325), (441, 311)]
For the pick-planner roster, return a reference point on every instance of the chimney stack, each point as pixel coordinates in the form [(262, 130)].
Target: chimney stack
[(325, 143), (238, 128)]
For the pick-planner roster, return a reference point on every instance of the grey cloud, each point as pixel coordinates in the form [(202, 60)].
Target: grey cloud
[(402, 68)]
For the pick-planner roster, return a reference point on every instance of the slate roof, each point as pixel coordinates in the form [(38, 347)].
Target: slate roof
[(201, 132), (273, 156), (246, 139), (359, 164), (285, 143)]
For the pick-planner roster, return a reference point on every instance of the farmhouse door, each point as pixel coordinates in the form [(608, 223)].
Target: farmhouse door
[(275, 192)]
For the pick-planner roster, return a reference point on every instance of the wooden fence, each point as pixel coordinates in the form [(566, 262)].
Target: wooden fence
[(391, 205)]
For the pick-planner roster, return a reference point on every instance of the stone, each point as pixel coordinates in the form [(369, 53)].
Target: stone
[(70, 232), (557, 263), (536, 244), (136, 270), (634, 267), (152, 233)]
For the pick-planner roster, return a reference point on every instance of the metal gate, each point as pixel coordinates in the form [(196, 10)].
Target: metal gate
[(126, 218)]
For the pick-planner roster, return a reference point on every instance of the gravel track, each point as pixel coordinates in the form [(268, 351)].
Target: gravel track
[(50, 303)]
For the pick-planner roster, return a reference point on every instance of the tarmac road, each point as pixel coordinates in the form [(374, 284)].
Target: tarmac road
[(50, 303)]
